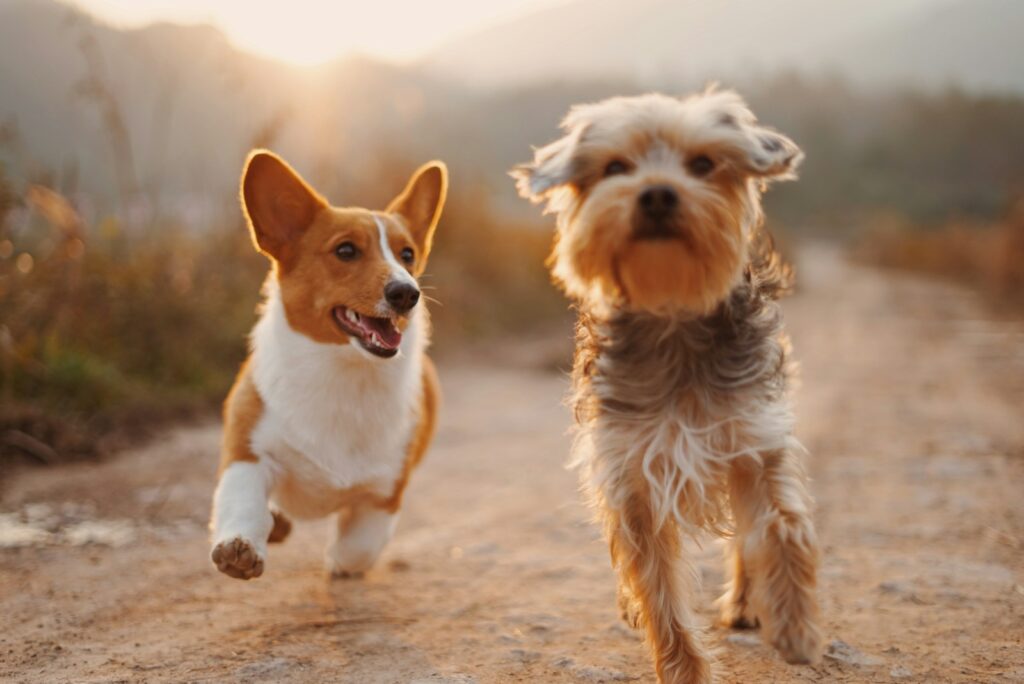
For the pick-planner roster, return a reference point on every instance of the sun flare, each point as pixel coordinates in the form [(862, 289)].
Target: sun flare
[(309, 32)]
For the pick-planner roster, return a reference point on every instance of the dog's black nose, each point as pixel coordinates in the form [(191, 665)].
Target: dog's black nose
[(658, 201), (401, 296)]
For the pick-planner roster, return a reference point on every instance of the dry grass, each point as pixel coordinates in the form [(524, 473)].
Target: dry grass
[(113, 326), (989, 257), (104, 326)]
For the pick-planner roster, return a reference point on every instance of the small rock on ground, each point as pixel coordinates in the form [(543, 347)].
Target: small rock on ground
[(843, 652)]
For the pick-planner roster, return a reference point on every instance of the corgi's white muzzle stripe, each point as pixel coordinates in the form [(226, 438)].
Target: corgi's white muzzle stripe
[(398, 272)]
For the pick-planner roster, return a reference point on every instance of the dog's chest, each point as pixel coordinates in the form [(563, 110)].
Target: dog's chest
[(673, 403), (696, 391), (333, 418), (340, 427)]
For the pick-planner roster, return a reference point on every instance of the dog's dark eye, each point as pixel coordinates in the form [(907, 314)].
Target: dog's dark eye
[(408, 255), (346, 251), (615, 168), (701, 165)]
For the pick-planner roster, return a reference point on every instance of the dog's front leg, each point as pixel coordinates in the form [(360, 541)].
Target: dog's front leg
[(656, 580), (242, 521), (779, 552), (734, 604), (360, 535)]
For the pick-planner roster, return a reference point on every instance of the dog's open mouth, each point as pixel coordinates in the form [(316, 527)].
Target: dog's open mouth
[(379, 336)]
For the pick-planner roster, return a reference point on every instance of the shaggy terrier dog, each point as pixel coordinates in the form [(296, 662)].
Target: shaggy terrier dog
[(681, 370)]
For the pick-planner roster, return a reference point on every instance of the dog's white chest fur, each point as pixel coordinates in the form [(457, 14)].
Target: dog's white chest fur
[(334, 416)]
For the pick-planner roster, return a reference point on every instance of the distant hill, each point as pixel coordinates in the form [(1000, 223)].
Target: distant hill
[(159, 76), (165, 114), (976, 44), (191, 104)]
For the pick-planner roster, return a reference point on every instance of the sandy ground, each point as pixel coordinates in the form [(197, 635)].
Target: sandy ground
[(911, 406)]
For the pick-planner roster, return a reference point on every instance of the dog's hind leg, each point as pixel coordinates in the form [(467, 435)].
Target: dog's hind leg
[(659, 585), (360, 535), (281, 529), (779, 552)]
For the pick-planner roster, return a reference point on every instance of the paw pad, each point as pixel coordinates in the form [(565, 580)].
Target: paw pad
[(237, 558)]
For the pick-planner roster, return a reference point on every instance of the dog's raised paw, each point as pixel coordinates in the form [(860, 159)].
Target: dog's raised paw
[(237, 558)]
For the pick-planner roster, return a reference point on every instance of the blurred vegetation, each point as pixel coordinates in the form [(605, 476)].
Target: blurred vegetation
[(107, 328), (104, 326), (985, 256), (128, 283), (927, 156)]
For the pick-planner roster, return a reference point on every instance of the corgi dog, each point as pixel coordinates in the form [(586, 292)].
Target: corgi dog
[(337, 402)]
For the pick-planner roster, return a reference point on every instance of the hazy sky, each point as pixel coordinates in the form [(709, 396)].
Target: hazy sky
[(311, 31)]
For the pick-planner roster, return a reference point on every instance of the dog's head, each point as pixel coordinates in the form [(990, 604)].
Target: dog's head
[(656, 197), (344, 273)]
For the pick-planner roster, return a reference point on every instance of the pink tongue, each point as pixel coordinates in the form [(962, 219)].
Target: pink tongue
[(387, 332)]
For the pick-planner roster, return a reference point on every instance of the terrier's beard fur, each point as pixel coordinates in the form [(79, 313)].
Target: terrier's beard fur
[(598, 256)]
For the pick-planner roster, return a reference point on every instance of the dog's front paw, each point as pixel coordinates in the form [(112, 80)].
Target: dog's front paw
[(237, 558), (341, 574), (348, 566), (799, 643), (629, 609), (736, 615)]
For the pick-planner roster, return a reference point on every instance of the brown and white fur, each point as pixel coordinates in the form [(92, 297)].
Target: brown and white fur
[(336, 403), (681, 370)]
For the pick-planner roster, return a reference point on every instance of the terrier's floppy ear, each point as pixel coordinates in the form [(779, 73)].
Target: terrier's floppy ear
[(421, 202), (769, 154), (277, 202), (551, 168), (755, 149)]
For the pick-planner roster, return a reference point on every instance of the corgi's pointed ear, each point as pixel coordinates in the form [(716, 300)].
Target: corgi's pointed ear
[(278, 203), (421, 202)]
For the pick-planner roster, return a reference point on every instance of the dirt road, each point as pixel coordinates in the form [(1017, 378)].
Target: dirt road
[(911, 406)]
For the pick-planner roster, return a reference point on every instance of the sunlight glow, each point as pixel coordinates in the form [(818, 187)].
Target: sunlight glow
[(314, 31)]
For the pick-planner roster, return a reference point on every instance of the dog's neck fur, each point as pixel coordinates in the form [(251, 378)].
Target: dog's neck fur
[(649, 358)]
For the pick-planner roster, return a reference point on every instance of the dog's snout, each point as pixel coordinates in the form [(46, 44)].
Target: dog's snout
[(658, 201), (401, 296)]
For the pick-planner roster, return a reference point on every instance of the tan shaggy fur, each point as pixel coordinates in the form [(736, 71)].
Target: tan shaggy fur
[(681, 372)]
